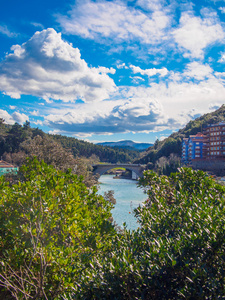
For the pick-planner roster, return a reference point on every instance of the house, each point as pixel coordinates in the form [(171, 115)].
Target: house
[(7, 168)]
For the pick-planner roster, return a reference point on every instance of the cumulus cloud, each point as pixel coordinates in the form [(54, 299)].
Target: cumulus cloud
[(50, 68), (166, 105), (194, 34), (15, 117), (115, 20), (145, 22), (197, 71), (149, 72), (19, 118), (137, 112)]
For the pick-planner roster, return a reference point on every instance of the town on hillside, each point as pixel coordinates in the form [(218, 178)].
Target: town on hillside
[(206, 149)]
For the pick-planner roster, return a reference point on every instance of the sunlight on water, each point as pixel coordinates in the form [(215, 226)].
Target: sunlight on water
[(128, 196)]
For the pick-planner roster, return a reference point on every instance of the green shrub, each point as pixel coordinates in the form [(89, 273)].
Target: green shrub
[(179, 250), (56, 241), (50, 227)]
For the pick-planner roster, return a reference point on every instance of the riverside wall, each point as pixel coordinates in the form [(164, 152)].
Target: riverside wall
[(215, 166)]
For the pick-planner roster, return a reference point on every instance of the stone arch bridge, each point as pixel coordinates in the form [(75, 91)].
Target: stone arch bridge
[(136, 169)]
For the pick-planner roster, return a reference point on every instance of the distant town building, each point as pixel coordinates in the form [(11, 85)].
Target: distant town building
[(7, 168), (215, 141), (194, 147), (209, 145)]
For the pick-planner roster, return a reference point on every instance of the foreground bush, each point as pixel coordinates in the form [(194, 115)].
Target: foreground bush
[(179, 250), (51, 225), (56, 241)]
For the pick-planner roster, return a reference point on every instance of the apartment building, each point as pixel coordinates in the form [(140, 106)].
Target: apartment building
[(215, 141), (209, 145), (194, 147)]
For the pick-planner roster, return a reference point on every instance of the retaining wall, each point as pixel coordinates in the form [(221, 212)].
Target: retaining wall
[(215, 166)]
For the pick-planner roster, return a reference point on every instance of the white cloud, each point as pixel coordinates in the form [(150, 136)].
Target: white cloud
[(121, 66), (147, 22), (37, 25), (15, 117), (137, 112), (149, 72), (38, 122), (222, 9), (220, 74), (50, 68), (151, 5), (195, 34), (6, 116), (198, 71), (163, 105), (34, 113), (20, 118), (137, 79), (222, 59), (104, 70), (163, 137), (5, 30), (114, 20)]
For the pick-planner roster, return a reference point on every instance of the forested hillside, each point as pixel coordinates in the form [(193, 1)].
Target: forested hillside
[(172, 144), (105, 154), (17, 141)]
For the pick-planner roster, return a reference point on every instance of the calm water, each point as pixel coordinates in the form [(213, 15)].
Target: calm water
[(128, 196)]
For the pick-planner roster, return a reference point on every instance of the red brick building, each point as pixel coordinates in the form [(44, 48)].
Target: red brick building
[(215, 141)]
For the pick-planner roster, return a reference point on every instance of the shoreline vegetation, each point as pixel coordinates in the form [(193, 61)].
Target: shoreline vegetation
[(58, 241)]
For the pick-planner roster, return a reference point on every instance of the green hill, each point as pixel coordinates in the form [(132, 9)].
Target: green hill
[(16, 139), (173, 143)]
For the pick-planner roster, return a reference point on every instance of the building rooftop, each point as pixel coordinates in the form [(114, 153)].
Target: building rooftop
[(199, 134), (4, 164)]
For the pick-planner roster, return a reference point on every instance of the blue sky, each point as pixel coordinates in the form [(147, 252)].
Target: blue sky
[(111, 70)]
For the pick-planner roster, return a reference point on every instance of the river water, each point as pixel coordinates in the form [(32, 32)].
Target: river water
[(128, 196)]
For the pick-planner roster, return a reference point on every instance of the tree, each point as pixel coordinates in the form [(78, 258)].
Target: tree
[(1, 123), (50, 227), (46, 149), (166, 165)]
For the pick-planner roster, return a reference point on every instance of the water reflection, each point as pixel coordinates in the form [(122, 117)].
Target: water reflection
[(128, 196)]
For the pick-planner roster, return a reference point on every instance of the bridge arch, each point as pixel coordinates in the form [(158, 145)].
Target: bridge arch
[(103, 168)]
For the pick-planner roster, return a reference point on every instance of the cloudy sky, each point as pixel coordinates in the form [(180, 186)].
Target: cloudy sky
[(111, 70)]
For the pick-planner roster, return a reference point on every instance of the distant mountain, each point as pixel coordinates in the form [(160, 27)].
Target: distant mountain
[(127, 145)]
